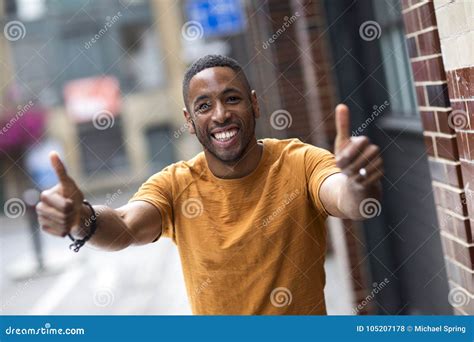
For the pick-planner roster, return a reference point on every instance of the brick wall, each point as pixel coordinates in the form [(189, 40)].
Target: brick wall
[(441, 75), (456, 31)]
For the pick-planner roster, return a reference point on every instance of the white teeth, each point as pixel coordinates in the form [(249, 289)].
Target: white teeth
[(224, 136)]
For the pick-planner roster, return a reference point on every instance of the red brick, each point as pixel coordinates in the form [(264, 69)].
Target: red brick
[(412, 23), (467, 170), (462, 81), (449, 78), (420, 71), (405, 4), (438, 95), (427, 15), (429, 146), (460, 276), (436, 69), (463, 229), (444, 220), (420, 95), (428, 120), (447, 148), (428, 43), (471, 82), (451, 200), (465, 145), (460, 141), (446, 122), (470, 107), (459, 106), (454, 175), (463, 254)]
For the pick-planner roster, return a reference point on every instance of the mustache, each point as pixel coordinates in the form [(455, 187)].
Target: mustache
[(225, 124)]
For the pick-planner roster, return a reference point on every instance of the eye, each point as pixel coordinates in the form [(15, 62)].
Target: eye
[(202, 107), (233, 99)]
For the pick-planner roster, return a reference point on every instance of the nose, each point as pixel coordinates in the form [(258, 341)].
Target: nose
[(220, 114)]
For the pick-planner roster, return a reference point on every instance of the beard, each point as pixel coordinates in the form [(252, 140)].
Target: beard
[(232, 155)]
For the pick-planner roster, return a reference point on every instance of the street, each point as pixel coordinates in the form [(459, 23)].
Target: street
[(145, 280)]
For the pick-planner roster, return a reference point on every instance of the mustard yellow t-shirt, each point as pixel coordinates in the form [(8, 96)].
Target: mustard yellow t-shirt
[(252, 245)]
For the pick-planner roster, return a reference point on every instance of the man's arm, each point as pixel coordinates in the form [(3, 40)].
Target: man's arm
[(343, 193), (61, 211)]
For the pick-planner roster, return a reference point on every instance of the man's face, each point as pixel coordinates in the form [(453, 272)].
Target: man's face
[(222, 113)]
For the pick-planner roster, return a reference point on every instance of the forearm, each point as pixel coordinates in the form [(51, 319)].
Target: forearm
[(112, 232), (351, 196)]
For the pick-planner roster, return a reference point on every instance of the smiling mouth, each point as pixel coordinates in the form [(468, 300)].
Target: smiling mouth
[(225, 136)]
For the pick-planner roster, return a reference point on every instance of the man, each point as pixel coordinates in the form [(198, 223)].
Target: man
[(247, 215)]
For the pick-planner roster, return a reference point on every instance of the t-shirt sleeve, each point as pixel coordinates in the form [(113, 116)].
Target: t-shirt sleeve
[(319, 164), (157, 190)]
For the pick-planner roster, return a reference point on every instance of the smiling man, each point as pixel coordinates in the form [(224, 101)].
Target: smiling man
[(247, 215)]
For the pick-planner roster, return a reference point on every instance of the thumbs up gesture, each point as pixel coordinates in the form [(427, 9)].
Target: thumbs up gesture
[(356, 156), (60, 207)]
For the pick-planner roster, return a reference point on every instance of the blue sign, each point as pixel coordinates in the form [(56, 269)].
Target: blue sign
[(217, 17)]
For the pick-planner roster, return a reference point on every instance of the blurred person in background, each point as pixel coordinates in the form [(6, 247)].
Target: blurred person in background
[(247, 215)]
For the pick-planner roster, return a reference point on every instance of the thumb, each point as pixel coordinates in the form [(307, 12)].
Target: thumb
[(343, 133), (59, 168)]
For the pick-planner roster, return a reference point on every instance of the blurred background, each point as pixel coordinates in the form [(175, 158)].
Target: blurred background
[(100, 82)]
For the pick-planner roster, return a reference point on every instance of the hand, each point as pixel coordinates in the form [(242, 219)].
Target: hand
[(60, 207), (356, 154)]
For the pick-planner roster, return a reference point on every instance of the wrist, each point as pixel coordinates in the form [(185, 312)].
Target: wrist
[(351, 196), (90, 223), (83, 228)]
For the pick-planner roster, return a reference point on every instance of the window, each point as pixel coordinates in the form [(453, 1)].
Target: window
[(395, 58), (140, 60), (160, 148), (104, 151), (78, 39)]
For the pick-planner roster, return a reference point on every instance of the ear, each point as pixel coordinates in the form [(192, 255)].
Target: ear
[(189, 121), (254, 99)]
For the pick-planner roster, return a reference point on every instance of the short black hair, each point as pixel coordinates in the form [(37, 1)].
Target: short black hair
[(211, 61)]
